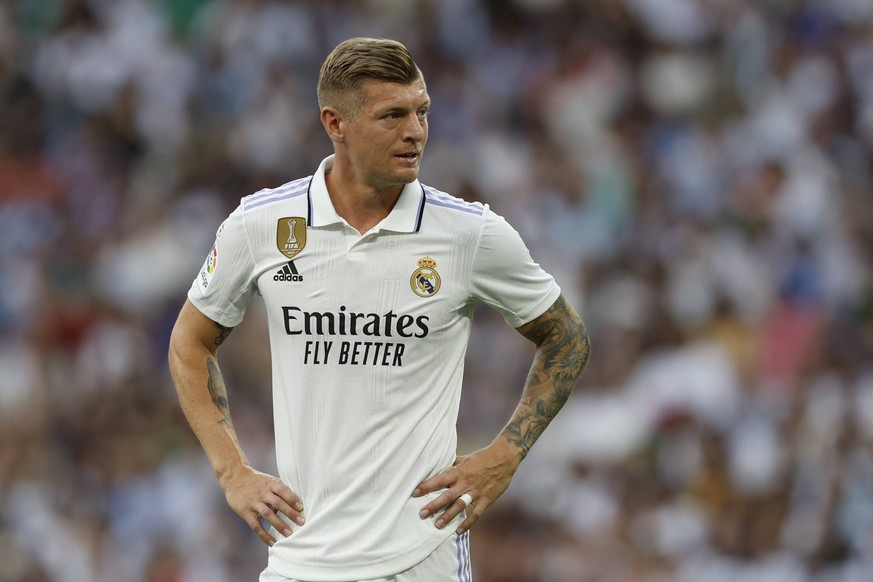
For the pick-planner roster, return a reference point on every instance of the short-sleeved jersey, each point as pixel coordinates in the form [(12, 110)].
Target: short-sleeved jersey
[(368, 335)]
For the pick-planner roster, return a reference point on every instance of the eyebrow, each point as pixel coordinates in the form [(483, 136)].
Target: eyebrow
[(402, 108)]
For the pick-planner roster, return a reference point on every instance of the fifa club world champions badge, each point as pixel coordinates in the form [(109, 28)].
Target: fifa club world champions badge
[(425, 281), (291, 235)]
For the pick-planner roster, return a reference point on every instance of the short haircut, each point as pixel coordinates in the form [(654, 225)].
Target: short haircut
[(343, 74)]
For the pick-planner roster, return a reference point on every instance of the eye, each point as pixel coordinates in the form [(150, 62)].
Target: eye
[(423, 113)]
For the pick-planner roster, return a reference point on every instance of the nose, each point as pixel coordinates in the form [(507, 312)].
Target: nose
[(415, 129)]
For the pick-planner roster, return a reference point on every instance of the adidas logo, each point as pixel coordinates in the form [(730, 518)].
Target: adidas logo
[(288, 272)]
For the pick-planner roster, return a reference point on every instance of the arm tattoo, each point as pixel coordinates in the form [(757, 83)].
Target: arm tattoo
[(562, 352), (215, 384), (223, 332)]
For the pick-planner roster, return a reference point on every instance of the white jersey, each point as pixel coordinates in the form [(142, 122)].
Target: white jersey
[(368, 335)]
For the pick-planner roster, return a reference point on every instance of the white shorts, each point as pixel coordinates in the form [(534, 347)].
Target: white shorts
[(450, 562)]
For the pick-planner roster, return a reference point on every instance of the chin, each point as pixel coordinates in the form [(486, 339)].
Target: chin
[(407, 177)]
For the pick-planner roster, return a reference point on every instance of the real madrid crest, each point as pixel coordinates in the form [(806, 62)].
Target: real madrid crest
[(425, 281), (291, 235)]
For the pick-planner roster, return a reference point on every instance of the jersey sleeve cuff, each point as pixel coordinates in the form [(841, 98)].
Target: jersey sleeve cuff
[(547, 301)]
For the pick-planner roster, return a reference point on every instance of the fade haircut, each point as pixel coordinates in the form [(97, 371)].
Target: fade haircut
[(356, 60)]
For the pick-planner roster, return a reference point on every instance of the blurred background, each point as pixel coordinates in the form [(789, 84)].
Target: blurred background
[(695, 173)]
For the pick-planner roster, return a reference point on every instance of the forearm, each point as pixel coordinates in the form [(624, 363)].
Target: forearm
[(561, 354), (481, 477), (203, 398)]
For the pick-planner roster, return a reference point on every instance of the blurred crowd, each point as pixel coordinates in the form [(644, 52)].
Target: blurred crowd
[(695, 173)]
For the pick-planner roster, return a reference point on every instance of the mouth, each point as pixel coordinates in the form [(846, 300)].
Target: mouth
[(409, 156)]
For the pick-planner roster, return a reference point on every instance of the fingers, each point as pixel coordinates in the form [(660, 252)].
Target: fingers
[(435, 483), (270, 513), (445, 500), (256, 526), (453, 508), (452, 511), (286, 501), (472, 517), (470, 485), (279, 500), (446, 480), (262, 513), (271, 516), (454, 500), (262, 501)]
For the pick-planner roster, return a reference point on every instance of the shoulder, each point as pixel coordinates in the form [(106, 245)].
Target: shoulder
[(438, 199), (269, 196)]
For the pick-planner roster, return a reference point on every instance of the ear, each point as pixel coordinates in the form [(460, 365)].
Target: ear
[(334, 124)]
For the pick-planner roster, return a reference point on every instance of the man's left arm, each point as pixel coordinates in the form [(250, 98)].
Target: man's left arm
[(561, 354)]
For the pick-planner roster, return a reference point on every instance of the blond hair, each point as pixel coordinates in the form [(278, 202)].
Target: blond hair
[(353, 62)]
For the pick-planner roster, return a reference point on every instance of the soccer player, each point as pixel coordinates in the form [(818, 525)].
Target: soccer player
[(369, 279)]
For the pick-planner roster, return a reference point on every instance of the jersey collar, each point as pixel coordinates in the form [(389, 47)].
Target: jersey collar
[(404, 217)]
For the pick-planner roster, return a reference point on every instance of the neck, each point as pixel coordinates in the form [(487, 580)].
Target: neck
[(362, 206)]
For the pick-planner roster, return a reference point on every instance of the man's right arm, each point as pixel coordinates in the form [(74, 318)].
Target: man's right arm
[(193, 360)]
